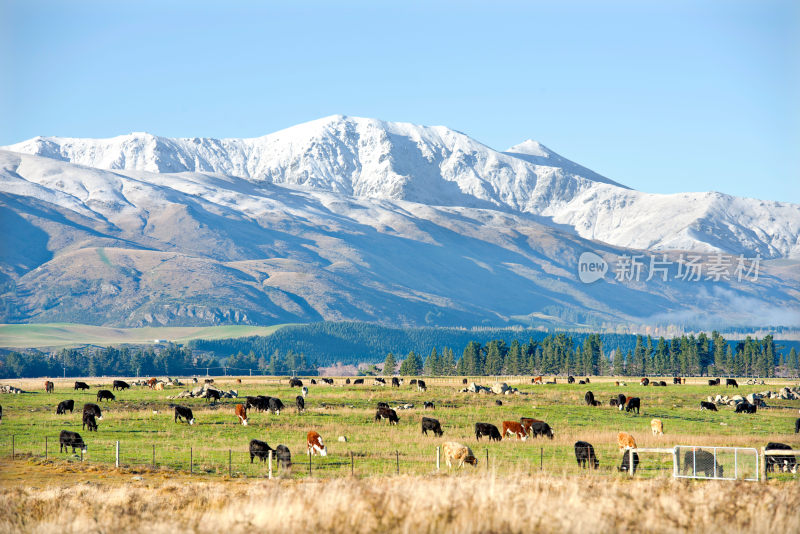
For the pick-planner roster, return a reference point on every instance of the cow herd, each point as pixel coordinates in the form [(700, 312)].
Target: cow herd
[(454, 453)]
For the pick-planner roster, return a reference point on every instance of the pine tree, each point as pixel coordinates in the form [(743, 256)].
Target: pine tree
[(389, 365), (494, 360)]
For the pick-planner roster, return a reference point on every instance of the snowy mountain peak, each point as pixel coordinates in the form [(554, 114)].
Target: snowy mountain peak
[(529, 147)]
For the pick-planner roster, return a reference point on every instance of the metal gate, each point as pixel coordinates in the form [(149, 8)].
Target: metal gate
[(716, 463)]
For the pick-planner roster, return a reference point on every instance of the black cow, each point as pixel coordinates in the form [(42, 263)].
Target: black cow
[(487, 429), (395, 382), (464, 381), (184, 413), (745, 407), (498, 402), (328, 381), (582, 382), (705, 405), (785, 462), (421, 385), (633, 404), (662, 383), (428, 404), (383, 405), (65, 405), (676, 380), (714, 382), (105, 394), (387, 413), (295, 383), (621, 400), (654, 383), (429, 423), (625, 467), (613, 402), (1, 414), (540, 428), (208, 381), (702, 461), (358, 381), (93, 409), (379, 380), (731, 382), (213, 394), (71, 439), (347, 381), (570, 380), (275, 405), (587, 380), (796, 423), (313, 382), (284, 456), (88, 420), (589, 398), (81, 385), (584, 454), (260, 449), (300, 402), (119, 385), (413, 382)]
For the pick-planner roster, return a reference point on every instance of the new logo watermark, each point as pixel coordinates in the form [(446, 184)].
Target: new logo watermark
[(686, 268), (591, 267)]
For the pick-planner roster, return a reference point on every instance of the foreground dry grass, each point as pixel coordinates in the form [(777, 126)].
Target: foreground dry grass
[(465, 503)]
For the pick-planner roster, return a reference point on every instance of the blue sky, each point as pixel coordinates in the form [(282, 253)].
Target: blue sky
[(662, 96)]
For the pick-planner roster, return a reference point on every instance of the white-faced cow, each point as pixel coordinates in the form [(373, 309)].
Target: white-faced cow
[(184, 413), (421, 385), (71, 439), (241, 413), (512, 428), (315, 444)]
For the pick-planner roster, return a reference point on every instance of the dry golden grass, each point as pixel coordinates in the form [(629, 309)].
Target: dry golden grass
[(465, 503)]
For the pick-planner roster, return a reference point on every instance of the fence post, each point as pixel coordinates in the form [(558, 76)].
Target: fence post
[(230, 471), (191, 461), (309, 463), (437, 458), (397, 457), (116, 456), (352, 466), (630, 458), (270, 464), (763, 465)]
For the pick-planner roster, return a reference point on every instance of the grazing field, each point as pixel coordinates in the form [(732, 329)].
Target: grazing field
[(141, 419), (59, 335), (91, 499)]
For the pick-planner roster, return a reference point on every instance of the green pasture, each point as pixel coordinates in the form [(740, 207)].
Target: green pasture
[(377, 447), (60, 335)]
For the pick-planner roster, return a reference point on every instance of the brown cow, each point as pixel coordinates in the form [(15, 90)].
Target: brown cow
[(49, 386), (152, 383), (241, 413), (537, 380), (512, 428), (315, 444), (625, 441)]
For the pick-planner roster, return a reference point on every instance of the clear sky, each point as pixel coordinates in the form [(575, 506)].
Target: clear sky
[(662, 96)]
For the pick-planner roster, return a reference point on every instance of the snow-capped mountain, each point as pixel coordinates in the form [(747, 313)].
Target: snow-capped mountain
[(437, 166)]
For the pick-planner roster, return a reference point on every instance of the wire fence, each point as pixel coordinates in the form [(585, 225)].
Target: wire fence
[(524, 458)]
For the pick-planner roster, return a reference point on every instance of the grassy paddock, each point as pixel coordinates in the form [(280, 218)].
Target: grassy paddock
[(58, 335), (376, 448), (474, 502)]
